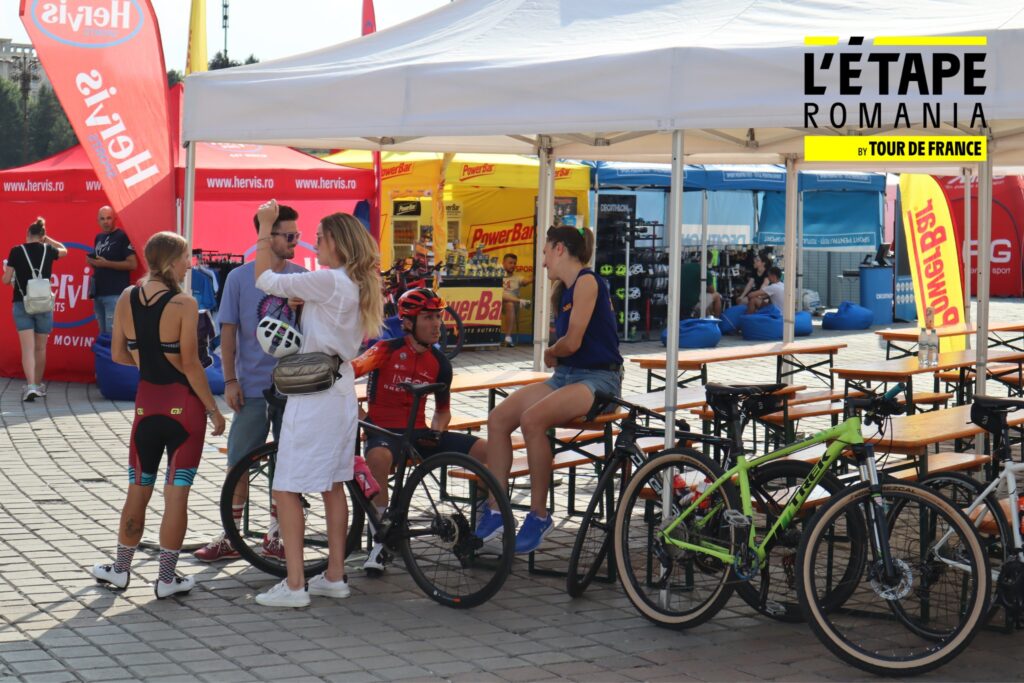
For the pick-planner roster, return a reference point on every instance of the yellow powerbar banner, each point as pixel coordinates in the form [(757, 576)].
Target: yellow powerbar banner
[(941, 148), (933, 254)]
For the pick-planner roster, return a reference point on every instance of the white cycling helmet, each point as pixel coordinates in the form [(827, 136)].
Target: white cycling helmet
[(278, 338)]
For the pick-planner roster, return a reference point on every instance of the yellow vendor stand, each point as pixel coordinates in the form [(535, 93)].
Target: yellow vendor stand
[(487, 210)]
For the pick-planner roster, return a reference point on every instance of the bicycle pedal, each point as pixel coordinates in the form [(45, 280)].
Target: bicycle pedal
[(773, 608), (736, 519)]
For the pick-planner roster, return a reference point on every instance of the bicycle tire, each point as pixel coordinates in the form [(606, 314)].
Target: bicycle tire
[(453, 333), (257, 466), (440, 549), (773, 593), (689, 465), (590, 548), (919, 578)]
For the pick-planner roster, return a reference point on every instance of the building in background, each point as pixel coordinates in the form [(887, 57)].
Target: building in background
[(12, 55)]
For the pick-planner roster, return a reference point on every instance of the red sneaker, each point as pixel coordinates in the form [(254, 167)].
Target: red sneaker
[(216, 550), (273, 546)]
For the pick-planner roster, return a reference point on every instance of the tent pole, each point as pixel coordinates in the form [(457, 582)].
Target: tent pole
[(674, 229), (984, 264), (966, 246), (545, 219), (792, 206), (675, 267), (799, 258), (190, 203), (703, 253)]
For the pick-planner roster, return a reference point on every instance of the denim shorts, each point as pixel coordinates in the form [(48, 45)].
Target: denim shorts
[(609, 381), (42, 323)]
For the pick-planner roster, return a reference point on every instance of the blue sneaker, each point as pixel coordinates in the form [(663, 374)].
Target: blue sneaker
[(532, 533), (490, 525)]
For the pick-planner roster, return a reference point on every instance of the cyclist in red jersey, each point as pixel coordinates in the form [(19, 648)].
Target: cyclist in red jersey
[(411, 358)]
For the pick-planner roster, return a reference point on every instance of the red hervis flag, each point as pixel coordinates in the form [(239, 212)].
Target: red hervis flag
[(106, 64)]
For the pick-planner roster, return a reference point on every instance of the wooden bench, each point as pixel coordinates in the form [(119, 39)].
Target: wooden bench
[(799, 412), (462, 423)]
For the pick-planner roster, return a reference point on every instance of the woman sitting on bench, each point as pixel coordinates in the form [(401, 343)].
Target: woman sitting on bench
[(586, 359)]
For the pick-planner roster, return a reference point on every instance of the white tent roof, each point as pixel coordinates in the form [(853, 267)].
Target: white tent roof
[(606, 78)]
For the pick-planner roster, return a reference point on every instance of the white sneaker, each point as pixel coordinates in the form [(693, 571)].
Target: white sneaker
[(377, 560), (41, 390), (320, 585), (181, 584), (104, 573), (29, 394), (280, 595)]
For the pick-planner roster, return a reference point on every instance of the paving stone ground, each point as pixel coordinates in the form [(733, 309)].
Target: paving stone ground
[(62, 482)]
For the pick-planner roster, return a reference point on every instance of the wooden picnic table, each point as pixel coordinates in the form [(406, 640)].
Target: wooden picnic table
[(855, 375), (787, 357), (908, 335), (494, 382), (913, 434)]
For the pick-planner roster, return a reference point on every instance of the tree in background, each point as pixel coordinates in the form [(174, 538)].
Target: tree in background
[(49, 130), (12, 123), (24, 74), (174, 77), (220, 61)]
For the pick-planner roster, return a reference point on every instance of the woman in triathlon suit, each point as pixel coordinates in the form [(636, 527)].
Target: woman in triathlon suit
[(155, 330), (586, 359), (342, 305)]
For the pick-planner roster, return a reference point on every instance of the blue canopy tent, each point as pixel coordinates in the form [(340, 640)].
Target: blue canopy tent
[(841, 211)]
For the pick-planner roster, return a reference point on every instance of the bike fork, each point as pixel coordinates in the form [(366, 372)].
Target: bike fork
[(875, 509)]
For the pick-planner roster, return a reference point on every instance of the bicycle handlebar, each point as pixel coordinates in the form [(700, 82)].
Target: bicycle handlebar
[(878, 407)]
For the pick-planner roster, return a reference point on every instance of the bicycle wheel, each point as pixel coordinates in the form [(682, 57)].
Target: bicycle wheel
[(927, 612), (772, 591), (437, 518), (247, 535), (674, 587), (453, 333), (988, 518), (593, 539)]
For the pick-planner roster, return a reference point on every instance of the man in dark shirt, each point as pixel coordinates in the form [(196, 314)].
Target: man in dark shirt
[(114, 259)]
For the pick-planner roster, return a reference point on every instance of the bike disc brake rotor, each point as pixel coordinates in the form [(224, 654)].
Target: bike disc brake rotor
[(887, 590)]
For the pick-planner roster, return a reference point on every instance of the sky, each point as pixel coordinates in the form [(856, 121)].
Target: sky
[(269, 29)]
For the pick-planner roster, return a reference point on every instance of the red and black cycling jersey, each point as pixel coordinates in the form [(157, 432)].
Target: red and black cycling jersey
[(391, 362)]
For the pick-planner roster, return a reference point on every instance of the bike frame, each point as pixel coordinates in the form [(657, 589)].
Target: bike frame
[(845, 435)]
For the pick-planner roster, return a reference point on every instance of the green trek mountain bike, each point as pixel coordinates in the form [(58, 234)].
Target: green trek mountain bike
[(868, 577)]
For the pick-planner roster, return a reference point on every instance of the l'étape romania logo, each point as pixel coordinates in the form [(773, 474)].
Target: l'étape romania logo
[(892, 83)]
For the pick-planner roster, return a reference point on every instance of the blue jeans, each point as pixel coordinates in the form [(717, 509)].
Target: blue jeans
[(609, 381), (104, 308), (40, 323), (249, 428)]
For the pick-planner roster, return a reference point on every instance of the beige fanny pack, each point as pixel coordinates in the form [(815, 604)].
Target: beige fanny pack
[(306, 373)]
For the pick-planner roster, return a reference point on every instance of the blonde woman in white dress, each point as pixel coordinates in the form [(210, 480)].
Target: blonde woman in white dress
[(342, 306)]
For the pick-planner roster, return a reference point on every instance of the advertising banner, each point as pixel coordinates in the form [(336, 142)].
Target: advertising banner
[(478, 303), (933, 255), (106, 65)]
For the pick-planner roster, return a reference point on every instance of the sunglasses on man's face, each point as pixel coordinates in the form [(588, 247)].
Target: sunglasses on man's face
[(289, 237)]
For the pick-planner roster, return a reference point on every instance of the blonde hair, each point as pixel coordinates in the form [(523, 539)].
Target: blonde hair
[(162, 250), (359, 254)]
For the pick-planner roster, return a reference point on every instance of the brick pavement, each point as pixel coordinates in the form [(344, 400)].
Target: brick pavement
[(62, 481)]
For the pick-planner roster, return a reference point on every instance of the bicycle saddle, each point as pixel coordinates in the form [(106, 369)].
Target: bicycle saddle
[(741, 390), (422, 389), (991, 413)]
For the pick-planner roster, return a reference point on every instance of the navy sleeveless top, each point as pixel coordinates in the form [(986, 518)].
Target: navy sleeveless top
[(600, 347), (153, 364)]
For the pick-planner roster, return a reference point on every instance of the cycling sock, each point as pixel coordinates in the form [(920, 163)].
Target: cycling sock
[(168, 561), (125, 553), (236, 513), (273, 510)]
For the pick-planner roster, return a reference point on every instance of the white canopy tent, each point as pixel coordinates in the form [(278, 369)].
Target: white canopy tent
[(603, 79)]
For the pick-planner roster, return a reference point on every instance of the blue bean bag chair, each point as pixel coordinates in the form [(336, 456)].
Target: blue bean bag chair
[(696, 333), (730, 322), (116, 382), (765, 324), (850, 316)]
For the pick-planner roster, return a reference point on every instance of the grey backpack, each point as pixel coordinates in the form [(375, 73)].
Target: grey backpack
[(37, 295)]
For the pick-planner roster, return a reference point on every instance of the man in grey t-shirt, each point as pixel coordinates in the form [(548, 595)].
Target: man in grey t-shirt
[(247, 369)]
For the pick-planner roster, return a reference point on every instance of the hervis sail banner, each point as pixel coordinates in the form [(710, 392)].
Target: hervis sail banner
[(105, 61)]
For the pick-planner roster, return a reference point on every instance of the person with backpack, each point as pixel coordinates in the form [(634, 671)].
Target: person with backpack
[(28, 269)]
